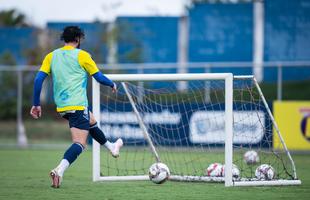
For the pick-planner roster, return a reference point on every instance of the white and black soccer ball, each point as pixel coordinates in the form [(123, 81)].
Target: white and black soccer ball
[(265, 172), (159, 173), (251, 157), (214, 170), (235, 171)]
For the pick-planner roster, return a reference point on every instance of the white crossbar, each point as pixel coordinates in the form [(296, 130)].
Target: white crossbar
[(168, 77)]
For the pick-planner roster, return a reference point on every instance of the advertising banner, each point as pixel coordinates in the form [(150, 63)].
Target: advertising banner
[(190, 124), (293, 119)]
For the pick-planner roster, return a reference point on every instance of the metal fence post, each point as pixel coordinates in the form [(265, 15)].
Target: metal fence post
[(208, 85), (141, 84), (279, 83), (21, 133)]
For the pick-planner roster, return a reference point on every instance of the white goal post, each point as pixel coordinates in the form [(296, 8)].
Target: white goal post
[(228, 79)]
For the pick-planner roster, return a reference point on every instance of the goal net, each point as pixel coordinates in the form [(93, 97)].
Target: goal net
[(216, 119)]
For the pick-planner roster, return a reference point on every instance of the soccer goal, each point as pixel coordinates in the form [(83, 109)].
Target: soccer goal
[(216, 118)]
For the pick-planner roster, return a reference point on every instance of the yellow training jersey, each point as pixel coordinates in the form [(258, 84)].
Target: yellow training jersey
[(84, 63)]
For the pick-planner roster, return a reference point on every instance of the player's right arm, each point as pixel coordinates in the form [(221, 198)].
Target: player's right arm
[(90, 66), (44, 71)]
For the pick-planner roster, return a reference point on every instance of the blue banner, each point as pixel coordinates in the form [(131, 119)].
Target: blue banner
[(187, 124)]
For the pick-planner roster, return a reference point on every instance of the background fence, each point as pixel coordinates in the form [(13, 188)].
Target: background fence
[(286, 81)]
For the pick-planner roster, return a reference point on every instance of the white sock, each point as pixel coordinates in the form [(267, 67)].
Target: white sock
[(109, 145), (63, 165)]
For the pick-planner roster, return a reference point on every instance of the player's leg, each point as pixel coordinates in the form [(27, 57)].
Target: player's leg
[(79, 125), (99, 136), (79, 138)]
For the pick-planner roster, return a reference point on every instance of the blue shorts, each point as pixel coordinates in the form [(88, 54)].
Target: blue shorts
[(77, 118)]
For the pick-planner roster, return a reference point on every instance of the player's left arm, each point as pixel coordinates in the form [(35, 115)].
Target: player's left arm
[(90, 66)]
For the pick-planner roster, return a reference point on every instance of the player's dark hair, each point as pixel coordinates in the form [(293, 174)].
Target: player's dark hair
[(72, 34)]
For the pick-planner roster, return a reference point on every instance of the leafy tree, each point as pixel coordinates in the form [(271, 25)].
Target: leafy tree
[(8, 87), (6, 58), (12, 18)]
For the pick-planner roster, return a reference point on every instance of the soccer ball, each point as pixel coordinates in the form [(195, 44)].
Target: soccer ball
[(251, 157), (159, 173), (265, 172), (235, 171), (214, 170)]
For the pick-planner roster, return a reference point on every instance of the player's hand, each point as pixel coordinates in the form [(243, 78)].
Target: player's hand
[(36, 112), (114, 88)]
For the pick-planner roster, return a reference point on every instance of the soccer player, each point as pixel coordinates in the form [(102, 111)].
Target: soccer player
[(69, 66)]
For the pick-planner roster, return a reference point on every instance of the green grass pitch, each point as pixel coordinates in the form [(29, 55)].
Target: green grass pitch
[(24, 175)]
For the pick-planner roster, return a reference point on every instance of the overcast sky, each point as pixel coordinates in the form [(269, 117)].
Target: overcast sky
[(41, 11)]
